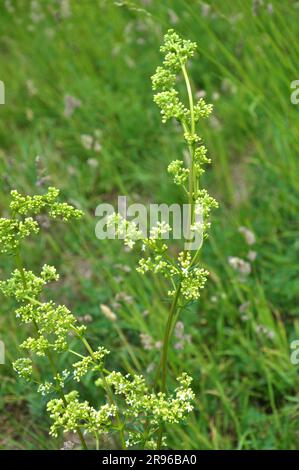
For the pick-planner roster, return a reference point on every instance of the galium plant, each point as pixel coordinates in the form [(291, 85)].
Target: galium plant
[(132, 412), (187, 278), (129, 400)]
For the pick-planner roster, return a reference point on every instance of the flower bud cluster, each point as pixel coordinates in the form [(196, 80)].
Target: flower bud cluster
[(23, 209), (34, 205), (71, 414), (90, 363)]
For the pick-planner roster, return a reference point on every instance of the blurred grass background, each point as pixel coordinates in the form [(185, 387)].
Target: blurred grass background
[(79, 115)]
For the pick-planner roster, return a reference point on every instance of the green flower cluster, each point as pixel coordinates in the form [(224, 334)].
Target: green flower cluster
[(13, 231), (193, 278), (180, 173), (124, 229), (171, 106), (163, 79), (140, 404), (90, 363), (176, 52), (158, 406), (200, 159), (59, 382), (52, 323), (23, 208), (69, 415), (202, 110), (34, 205), (23, 367), (25, 284), (204, 203)]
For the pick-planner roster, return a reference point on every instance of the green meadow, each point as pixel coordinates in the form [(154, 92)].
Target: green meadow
[(79, 115)]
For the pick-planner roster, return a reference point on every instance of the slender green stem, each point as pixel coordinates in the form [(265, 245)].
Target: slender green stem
[(21, 268), (97, 441), (193, 177), (167, 337), (164, 361), (192, 172), (170, 324), (190, 97), (195, 257)]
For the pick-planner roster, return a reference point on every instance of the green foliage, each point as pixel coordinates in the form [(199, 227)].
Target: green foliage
[(246, 388)]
